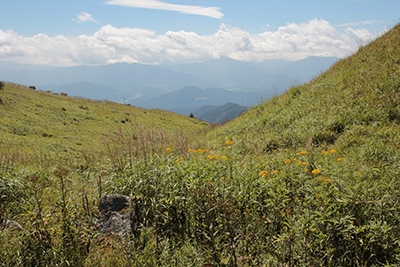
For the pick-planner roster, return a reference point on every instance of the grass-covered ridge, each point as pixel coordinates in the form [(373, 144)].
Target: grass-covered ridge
[(359, 93), (35, 121), (308, 178)]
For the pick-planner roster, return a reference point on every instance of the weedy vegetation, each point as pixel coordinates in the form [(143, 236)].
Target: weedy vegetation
[(308, 178)]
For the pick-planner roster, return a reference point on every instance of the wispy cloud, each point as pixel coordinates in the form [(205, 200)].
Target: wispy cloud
[(213, 12), (84, 17), (355, 24)]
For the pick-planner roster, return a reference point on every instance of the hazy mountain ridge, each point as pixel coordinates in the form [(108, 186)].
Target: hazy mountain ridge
[(195, 97), (132, 79)]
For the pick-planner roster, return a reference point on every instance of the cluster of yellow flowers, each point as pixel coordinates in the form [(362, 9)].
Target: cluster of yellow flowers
[(228, 142), (216, 157), (302, 152), (199, 150), (327, 152), (265, 173), (288, 161), (316, 171)]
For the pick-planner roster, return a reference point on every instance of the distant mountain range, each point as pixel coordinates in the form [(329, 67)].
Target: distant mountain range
[(211, 105), (195, 97), (227, 80)]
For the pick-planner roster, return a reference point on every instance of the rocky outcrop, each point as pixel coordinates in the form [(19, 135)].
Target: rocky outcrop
[(115, 215)]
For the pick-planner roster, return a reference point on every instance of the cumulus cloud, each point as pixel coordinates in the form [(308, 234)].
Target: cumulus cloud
[(213, 12), (133, 45), (84, 17)]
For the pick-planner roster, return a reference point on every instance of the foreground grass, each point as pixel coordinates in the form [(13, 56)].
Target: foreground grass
[(208, 206), (309, 178)]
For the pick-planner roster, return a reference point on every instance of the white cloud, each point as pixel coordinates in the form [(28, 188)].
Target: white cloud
[(84, 17), (213, 12), (111, 45), (361, 36)]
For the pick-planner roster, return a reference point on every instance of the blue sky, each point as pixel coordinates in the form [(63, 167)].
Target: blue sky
[(96, 32)]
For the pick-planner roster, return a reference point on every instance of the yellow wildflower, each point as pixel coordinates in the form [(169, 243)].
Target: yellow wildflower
[(328, 180), (333, 151), (223, 157), (190, 150), (168, 149), (339, 159), (228, 142), (302, 152), (287, 161), (316, 171), (263, 173), (324, 152), (286, 150)]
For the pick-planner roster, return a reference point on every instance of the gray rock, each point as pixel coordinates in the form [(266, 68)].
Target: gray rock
[(115, 215)]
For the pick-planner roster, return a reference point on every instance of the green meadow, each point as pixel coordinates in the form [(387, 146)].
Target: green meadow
[(307, 178)]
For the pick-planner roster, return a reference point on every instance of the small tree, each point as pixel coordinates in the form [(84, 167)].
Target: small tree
[(1, 85), (191, 115)]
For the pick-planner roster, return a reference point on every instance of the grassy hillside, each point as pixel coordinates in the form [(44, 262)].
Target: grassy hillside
[(355, 100), (308, 178), (37, 121)]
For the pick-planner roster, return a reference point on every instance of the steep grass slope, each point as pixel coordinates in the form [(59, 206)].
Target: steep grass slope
[(37, 121), (354, 103)]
